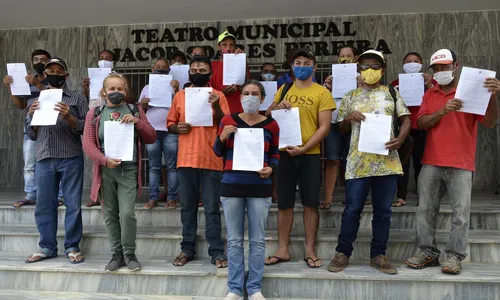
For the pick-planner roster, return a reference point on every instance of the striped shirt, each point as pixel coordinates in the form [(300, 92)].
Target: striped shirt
[(61, 140)]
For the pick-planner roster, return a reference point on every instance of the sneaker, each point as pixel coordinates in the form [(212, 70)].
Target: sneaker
[(421, 261), (256, 296), (338, 263), (382, 263), (232, 296), (452, 265), (115, 263), (132, 262)]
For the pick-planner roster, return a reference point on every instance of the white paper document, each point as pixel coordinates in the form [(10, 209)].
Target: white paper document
[(198, 109), (344, 79), (374, 133), (45, 115), (248, 154), (181, 74), (119, 140), (160, 90), (19, 86), (234, 69), (97, 76), (472, 92), (411, 88), (289, 123), (271, 88)]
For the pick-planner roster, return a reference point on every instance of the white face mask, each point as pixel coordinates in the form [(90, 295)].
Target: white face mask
[(177, 64), (105, 64), (268, 77), (444, 77), (250, 104), (412, 67)]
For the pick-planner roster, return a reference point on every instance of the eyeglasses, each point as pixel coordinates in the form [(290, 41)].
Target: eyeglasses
[(52, 72), (364, 67)]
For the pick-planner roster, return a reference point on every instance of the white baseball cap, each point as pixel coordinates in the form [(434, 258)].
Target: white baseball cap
[(372, 52), (443, 57)]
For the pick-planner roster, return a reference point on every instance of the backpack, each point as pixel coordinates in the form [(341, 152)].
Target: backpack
[(134, 110), (406, 147), (285, 90)]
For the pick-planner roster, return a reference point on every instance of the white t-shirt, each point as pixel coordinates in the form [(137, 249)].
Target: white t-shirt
[(157, 116)]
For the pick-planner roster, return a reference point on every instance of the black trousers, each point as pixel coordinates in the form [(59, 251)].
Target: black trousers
[(417, 153)]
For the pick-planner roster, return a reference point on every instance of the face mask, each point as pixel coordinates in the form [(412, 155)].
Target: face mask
[(444, 77), (268, 77), (105, 64), (345, 60), (39, 68), (161, 71), (56, 81), (412, 67), (371, 76), (116, 97), (199, 79), (177, 64), (250, 104), (303, 73)]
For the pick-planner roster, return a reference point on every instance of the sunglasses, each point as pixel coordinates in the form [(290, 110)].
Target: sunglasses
[(364, 67)]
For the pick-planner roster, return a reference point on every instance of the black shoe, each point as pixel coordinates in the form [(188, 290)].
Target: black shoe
[(115, 263), (132, 263)]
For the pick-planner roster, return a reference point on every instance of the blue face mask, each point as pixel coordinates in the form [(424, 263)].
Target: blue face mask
[(303, 73)]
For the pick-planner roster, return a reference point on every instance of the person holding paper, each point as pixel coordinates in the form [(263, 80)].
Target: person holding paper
[(165, 143), (37, 83), (448, 163), (250, 190), (197, 165), (302, 163), (178, 58), (288, 77), (59, 158), (196, 51), (117, 180), (367, 171)]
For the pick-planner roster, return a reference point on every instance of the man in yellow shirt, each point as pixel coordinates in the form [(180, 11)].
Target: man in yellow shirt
[(302, 163)]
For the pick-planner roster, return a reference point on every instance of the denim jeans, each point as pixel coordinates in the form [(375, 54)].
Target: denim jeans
[(432, 182), (234, 212), (383, 191), (190, 180), (165, 143), (49, 172)]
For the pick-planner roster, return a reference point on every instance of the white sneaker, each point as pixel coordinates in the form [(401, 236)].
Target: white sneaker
[(232, 296), (256, 296)]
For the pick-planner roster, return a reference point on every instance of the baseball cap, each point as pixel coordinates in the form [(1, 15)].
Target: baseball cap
[(443, 57), (305, 52), (57, 60), (375, 53), (224, 35), (177, 53)]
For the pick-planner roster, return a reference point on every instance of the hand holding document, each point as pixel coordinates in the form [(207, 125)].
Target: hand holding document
[(19, 86), (248, 154), (97, 76), (289, 123), (181, 74), (45, 115), (234, 68), (344, 79), (119, 140), (271, 88), (375, 132), (411, 88), (160, 90), (198, 109), (472, 92)]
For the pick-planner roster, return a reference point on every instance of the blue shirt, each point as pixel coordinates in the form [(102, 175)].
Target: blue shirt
[(287, 78)]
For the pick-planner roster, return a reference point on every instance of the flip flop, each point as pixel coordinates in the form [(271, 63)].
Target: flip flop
[(399, 203), (278, 260), (150, 204), (40, 254), (180, 258), (75, 255), (325, 206), (313, 266), (169, 204), (93, 203), (23, 203)]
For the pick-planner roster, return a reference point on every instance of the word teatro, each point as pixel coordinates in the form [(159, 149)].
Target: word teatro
[(256, 37)]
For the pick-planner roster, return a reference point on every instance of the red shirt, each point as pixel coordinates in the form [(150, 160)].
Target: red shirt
[(452, 141), (233, 99), (413, 109)]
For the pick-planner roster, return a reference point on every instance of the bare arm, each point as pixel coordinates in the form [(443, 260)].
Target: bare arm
[(491, 116), (325, 120), (404, 127)]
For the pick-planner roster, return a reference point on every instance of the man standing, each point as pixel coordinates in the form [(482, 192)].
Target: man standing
[(288, 77), (268, 72), (198, 166), (59, 156), (448, 163), (178, 58), (302, 163)]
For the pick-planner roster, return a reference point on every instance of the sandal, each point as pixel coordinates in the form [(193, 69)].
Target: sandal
[(278, 260), (150, 204), (60, 203), (221, 263), (171, 204), (23, 203), (313, 266), (181, 260), (325, 206), (92, 203), (399, 203), (75, 256), (200, 203), (40, 254)]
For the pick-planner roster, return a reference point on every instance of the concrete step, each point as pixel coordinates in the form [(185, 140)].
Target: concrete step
[(201, 279), (38, 295), (483, 245)]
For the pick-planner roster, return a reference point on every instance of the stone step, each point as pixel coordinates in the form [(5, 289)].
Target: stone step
[(483, 245), (286, 281), (39, 295)]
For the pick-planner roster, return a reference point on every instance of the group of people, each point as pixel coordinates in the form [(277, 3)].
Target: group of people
[(199, 160)]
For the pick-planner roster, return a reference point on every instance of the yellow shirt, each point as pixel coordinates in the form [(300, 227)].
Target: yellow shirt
[(310, 101)]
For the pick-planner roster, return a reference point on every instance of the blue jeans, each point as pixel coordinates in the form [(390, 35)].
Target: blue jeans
[(49, 172), (165, 143), (190, 180), (234, 212), (383, 191)]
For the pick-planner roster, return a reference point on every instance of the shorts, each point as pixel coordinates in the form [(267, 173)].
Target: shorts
[(336, 144), (304, 169)]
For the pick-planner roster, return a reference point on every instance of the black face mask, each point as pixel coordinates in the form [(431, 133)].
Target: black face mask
[(56, 81), (161, 72), (39, 68), (199, 79), (116, 98)]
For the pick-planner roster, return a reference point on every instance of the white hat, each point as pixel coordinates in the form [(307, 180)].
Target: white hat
[(443, 57), (373, 52)]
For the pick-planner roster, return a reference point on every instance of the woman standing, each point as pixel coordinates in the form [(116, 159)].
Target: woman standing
[(117, 181), (250, 190)]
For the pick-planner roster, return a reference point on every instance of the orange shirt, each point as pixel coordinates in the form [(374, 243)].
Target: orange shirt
[(452, 142), (233, 99), (196, 149)]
